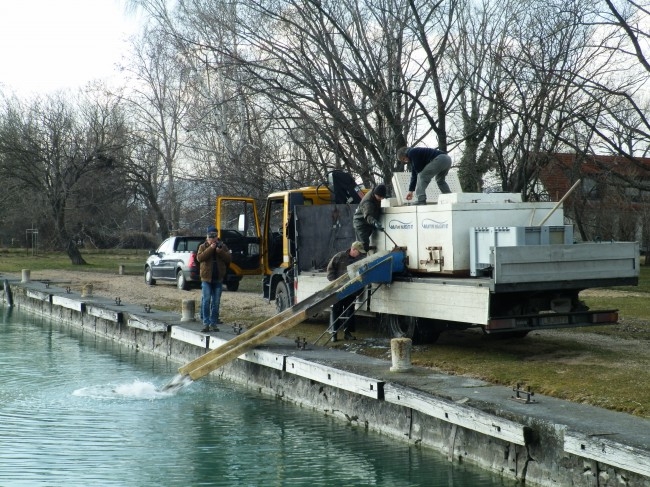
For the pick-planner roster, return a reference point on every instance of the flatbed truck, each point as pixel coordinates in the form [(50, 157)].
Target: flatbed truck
[(472, 260)]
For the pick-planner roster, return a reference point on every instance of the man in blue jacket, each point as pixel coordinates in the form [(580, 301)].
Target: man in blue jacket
[(425, 165)]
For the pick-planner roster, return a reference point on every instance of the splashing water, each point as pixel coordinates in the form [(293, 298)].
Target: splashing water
[(177, 383), (136, 390)]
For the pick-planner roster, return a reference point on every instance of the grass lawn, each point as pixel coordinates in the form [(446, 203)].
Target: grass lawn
[(108, 261)]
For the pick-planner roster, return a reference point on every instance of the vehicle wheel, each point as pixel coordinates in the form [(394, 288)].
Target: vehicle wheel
[(148, 276), (282, 298), (232, 285), (181, 282), (429, 330), (419, 330)]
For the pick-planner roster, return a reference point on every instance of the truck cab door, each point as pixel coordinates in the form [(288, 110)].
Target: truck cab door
[(279, 231), (238, 226)]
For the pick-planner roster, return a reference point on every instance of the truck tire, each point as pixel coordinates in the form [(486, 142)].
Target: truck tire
[(148, 277), (181, 282), (429, 330), (419, 330), (282, 298)]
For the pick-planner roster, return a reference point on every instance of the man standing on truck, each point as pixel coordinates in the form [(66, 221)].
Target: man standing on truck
[(214, 258), (343, 311), (425, 165), (366, 217)]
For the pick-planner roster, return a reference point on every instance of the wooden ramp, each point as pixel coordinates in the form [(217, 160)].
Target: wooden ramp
[(376, 268), (266, 330)]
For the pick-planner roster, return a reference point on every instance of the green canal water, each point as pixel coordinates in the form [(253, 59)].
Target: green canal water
[(77, 410)]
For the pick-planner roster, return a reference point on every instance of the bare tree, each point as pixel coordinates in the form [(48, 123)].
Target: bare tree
[(229, 136), (622, 126), (481, 39), (549, 52), (632, 18), (338, 83), (158, 98), (50, 146)]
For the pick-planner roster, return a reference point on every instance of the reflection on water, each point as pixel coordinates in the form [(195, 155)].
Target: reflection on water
[(77, 410)]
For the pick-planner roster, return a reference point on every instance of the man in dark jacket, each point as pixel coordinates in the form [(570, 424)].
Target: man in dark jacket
[(425, 165), (366, 217), (343, 311), (214, 258)]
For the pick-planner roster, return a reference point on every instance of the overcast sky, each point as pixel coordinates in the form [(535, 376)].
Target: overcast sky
[(47, 45)]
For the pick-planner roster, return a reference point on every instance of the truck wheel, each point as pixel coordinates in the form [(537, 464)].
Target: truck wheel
[(181, 282), (282, 300), (148, 277), (429, 330), (232, 285)]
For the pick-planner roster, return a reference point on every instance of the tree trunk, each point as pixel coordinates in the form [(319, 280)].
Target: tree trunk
[(73, 252)]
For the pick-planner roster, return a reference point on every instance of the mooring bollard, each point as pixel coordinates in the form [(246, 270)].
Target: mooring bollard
[(120, 270), (86, 290), (25, 275), (400, 350), (188, 310)]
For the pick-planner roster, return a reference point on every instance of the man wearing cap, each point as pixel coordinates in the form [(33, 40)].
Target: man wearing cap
[(366, 217), (343, 311), (214, 258), (426, 164)]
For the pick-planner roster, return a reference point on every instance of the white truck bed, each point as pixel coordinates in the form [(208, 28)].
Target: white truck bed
[(516, 269)]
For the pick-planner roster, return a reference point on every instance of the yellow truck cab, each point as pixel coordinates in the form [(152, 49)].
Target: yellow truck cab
[(270, 249), (278, 217)]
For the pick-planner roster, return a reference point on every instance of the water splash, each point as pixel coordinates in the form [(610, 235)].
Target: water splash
[(136, 390), (177, 383)]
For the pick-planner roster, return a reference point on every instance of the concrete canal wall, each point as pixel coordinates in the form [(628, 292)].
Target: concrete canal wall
[(541, 441)]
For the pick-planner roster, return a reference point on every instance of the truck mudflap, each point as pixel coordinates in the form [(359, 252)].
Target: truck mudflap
[(525, 323)]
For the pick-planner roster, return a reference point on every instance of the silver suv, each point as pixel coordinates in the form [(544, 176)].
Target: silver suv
[(174, 260)]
